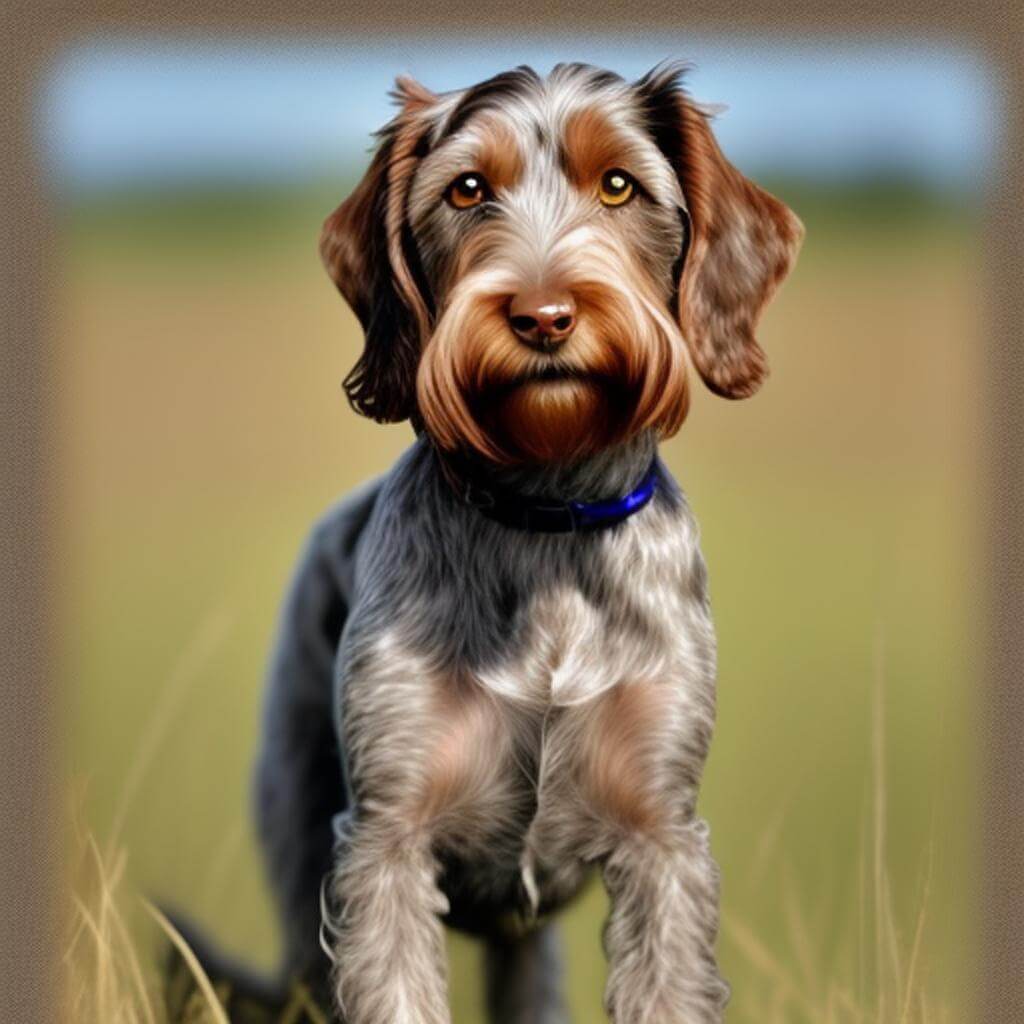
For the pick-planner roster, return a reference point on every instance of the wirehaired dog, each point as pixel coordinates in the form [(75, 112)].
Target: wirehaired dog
[(495, 670)]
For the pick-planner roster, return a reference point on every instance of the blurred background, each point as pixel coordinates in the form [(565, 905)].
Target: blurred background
[(202, 429)]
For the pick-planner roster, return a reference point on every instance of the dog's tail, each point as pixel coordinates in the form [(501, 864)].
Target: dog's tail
[(246, 996)]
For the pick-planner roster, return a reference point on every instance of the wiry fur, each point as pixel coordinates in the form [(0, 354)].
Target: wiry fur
[(512, 711)]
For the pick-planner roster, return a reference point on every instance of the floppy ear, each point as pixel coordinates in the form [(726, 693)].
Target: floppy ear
[(742, 242), (367, 249)]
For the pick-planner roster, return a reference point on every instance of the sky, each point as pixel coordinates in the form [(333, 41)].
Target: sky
[(115, 113)]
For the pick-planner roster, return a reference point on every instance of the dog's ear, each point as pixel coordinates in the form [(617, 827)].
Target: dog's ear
[(741, 241), (368, 251)]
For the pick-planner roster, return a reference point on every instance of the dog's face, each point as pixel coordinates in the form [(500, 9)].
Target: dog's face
[(536, 262)]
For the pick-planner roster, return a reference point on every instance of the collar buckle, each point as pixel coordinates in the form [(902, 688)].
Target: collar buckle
[(554, 518)]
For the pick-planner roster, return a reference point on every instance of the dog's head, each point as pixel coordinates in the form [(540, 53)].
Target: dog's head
[(536, 261)]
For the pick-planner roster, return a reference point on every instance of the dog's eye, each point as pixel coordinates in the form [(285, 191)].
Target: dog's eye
[(470, 189), (617, 187)]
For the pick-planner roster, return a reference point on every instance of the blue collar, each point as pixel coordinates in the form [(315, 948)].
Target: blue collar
[(550, 515)]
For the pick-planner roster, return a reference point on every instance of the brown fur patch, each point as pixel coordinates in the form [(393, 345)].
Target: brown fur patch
[(412, 95), (744, 242), (447, 373), (468, 745), (593, 145), (499, 158), (400, 171), (619, 764), (361, 245)]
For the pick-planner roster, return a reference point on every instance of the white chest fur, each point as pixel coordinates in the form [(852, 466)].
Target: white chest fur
[(648, 622)]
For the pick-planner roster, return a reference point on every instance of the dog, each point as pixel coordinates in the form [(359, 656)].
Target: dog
[(494, 675)]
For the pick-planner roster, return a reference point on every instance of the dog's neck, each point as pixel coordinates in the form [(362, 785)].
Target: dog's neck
[(607, 474)]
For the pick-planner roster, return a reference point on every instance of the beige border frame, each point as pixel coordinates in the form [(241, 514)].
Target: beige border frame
[(29, 802)]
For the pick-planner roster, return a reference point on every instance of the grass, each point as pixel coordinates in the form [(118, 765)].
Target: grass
[(200, 349), (113, 977), (816, 992)]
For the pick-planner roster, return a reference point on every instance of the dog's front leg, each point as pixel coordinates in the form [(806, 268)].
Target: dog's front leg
[(643, 746), (660, 935), (390, 965), (427, 756), (386, 907)]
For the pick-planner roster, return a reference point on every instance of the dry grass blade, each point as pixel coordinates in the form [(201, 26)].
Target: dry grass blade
[(126, 943), (767, 844), (213, 1004), (887, 938), (862, 895), (878, 862), (768, 965), (803, 944), (302, 1007), (915, 951), (105, 980)]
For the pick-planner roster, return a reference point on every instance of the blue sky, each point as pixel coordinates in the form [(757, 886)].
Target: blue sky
[(123, 112)]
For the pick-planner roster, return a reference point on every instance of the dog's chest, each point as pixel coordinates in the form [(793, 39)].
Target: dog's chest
[(597, 662), (632, 613), (565, 649), (506, 678)]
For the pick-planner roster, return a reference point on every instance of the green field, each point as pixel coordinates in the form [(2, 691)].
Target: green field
[(202, 428)]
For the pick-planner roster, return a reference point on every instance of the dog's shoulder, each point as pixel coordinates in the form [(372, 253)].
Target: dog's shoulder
[(333, 542), (365, 517)]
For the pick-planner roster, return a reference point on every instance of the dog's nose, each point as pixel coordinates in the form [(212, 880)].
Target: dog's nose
[(542, 321)]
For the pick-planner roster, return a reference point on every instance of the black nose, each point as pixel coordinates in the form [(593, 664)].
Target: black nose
[(542, 321)]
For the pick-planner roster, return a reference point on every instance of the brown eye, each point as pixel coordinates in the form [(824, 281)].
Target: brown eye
[(467, 190), (617, 187)]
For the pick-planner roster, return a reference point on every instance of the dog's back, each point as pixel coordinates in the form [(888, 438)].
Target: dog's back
[(298, 786)]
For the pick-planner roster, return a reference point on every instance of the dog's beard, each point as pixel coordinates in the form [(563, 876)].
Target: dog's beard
[(557, 420), (622, 371)]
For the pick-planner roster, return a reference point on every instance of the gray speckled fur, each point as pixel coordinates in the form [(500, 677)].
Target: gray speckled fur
[(542, 627)]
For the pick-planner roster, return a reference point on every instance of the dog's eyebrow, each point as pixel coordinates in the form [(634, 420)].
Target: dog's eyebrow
[(591, 144), (490, 94), (499, 155)]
